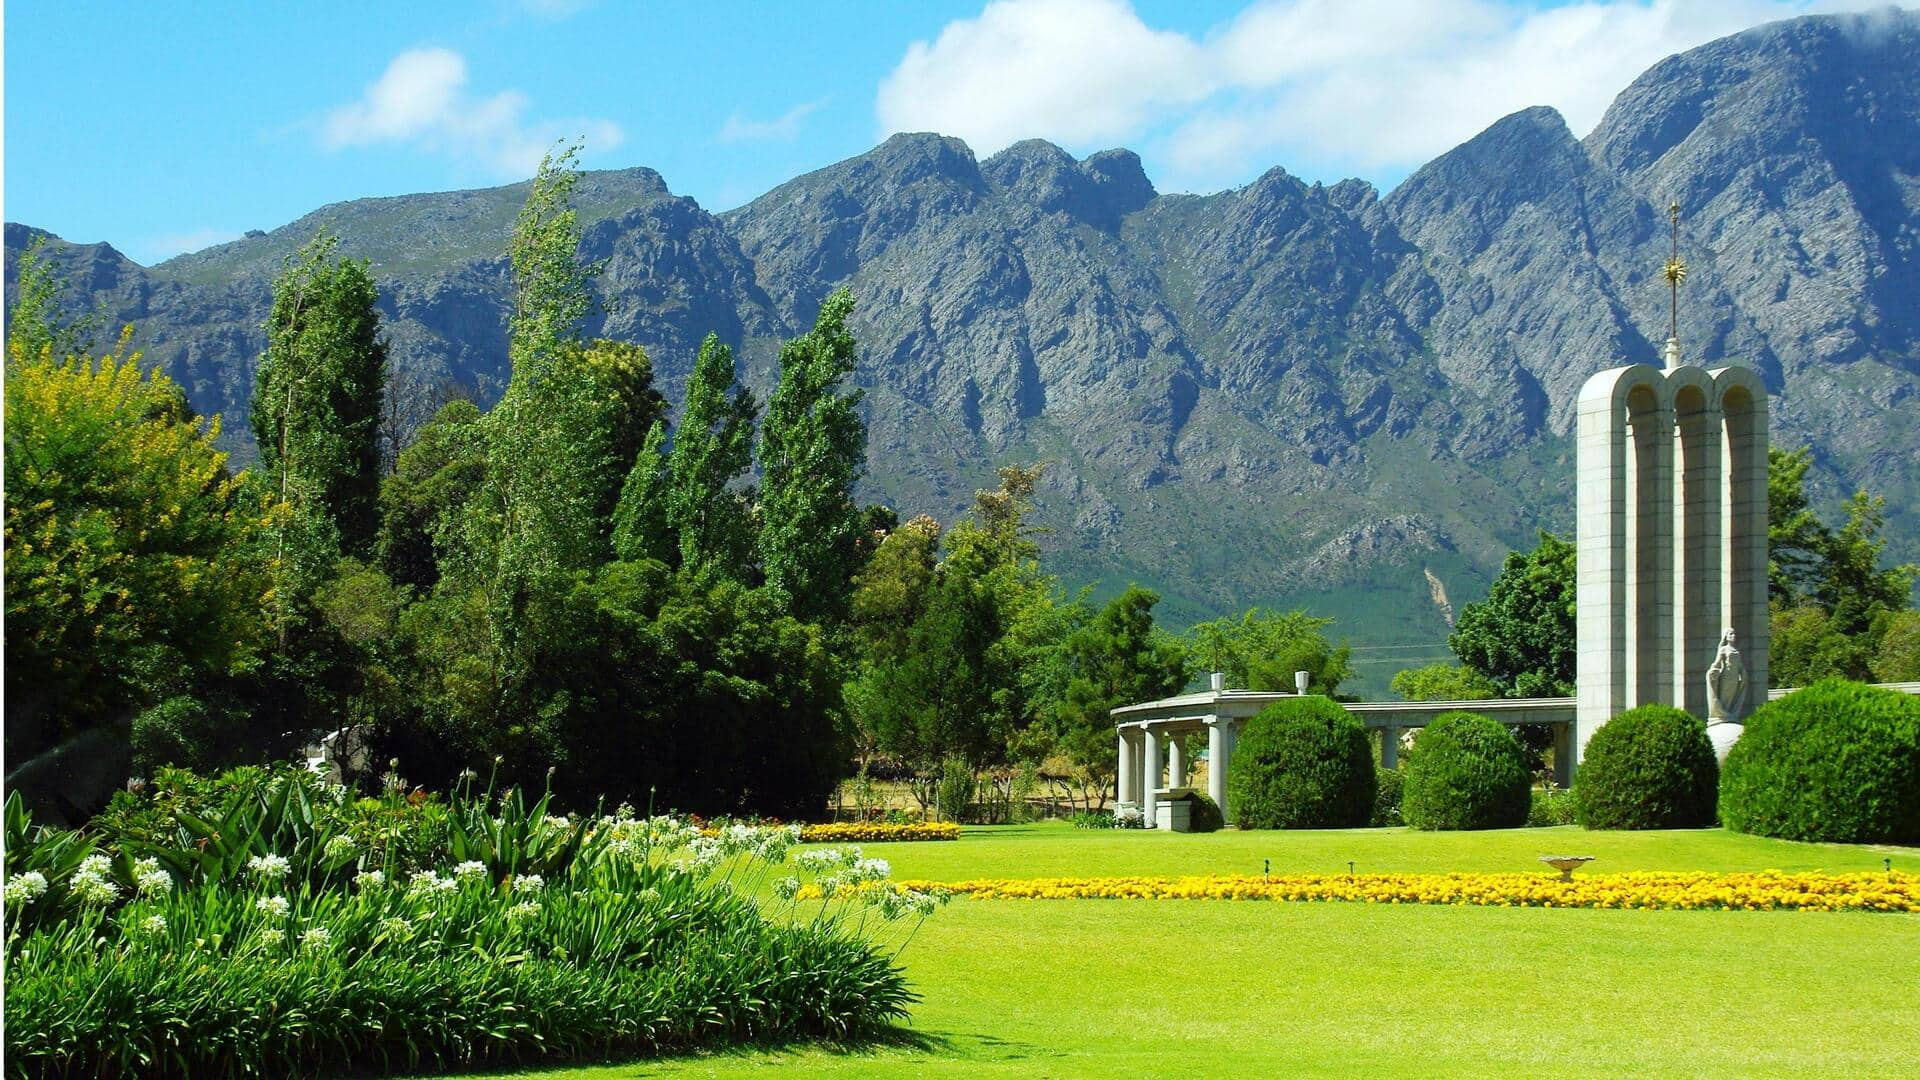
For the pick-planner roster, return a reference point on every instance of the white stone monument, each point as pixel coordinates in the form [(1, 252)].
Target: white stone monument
[(1671, 533), (1726, 693)]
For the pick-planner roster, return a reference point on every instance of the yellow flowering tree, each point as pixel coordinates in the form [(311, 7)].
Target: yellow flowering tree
[(134, 560)]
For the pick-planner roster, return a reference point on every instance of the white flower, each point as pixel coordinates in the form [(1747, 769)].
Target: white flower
[(315, 937), (154, 924), (269, 867), (426, 882), (525, 909), (870, 870), (274, 907), (91, 888), (469, 870), (340, 848), (704, 854), (528, 883), (395, 927), (370, 879), (786, 888), (272, 935), (95, 866), (150, 879), (26, 888)]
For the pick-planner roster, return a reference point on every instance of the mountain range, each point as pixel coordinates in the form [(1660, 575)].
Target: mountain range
[(1287, 393)]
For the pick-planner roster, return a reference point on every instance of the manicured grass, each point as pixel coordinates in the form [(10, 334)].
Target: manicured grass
[(1206, 988)]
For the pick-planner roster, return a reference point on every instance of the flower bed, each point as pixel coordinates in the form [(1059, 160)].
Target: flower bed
[(875, 832), (266, 940), (1686, 891)]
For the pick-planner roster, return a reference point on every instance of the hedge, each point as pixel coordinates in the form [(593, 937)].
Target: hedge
[(1302, 763), (1465, 771), (1651, 767), (1838, 761)]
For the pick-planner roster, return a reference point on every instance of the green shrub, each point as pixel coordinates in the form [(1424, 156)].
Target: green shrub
[(1388, 786), (1648, 768), (1465, 771), (1838, 761), (1204, 815), (1093, 819), (1302, 763), (953, 793), (1552, 806)]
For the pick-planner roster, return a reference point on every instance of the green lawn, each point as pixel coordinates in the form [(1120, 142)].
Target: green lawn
[(1219, 988)]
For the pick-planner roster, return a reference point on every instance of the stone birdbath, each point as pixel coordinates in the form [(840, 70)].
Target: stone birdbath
[(1566, 864)]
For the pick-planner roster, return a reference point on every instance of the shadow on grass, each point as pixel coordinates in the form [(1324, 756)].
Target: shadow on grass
[(889, 1038)]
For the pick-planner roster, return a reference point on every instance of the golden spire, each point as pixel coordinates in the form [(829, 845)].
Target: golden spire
[(1676, 272)]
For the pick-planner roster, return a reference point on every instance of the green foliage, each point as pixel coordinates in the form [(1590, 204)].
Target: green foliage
[(320, 956), (1303, 763), (1552, 806), (1465, 771), (713, 449), (1837, 762), (1389, 787), (136, 565), (953, 792), (1262, 649), (812, 450), (1805, 645), (1899, 657), (640, 529), (422, 504), (1204, 813), (316, 412), (1796, 539), (1117, 658), (1521, 637), (1444, 682), (1651, 767), (35, 324)]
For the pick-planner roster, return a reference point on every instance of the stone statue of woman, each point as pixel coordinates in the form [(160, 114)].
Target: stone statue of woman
[(1726, 681)]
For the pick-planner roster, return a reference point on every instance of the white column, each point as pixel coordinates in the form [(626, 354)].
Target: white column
[(1149, 805), (1123, 771), (1176, 763), (1389, 747), (1743, 405), (1217, 754)]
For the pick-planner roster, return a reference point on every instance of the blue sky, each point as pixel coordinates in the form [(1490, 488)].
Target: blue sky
[(162, 127)]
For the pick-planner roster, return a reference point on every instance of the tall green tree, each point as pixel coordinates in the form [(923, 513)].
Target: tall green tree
[(640, 529), (317, 398), (1522, 636), (1262, 649), (813, 447), (712, 450), (422, 503), (34, 318), (1119, 657), (1796, 539)]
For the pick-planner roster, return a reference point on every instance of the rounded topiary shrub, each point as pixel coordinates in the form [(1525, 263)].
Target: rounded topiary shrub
[(1203, 814), (1465, 771), (1648, 768), (1302, 763), (1838, 761)]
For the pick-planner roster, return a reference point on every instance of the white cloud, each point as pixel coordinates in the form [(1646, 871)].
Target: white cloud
[(784, 128), (1073, 70), (158, 248), (1371, 85), (422, 99)]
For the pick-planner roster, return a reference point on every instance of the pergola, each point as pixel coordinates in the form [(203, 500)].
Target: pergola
[(1150, 753), (1149, 747)]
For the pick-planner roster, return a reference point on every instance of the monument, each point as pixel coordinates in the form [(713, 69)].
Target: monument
[(1671, 536)]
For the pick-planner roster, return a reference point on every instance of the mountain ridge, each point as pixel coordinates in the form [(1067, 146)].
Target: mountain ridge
[(1280, 393)]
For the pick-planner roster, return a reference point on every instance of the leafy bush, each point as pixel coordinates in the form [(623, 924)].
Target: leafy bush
[(1552, 806), (1387, 785), (1302, 763), (1466, 771), (953, 793), (1204, 813), (1651, 767), (643, 935), (1838, 761), (1093, 819)]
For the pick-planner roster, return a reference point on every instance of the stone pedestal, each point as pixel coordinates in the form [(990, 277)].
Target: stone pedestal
[(1723, 734), (1173, 815)]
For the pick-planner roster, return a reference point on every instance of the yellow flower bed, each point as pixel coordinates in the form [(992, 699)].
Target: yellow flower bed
[(1685, 891), (873, 832)]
